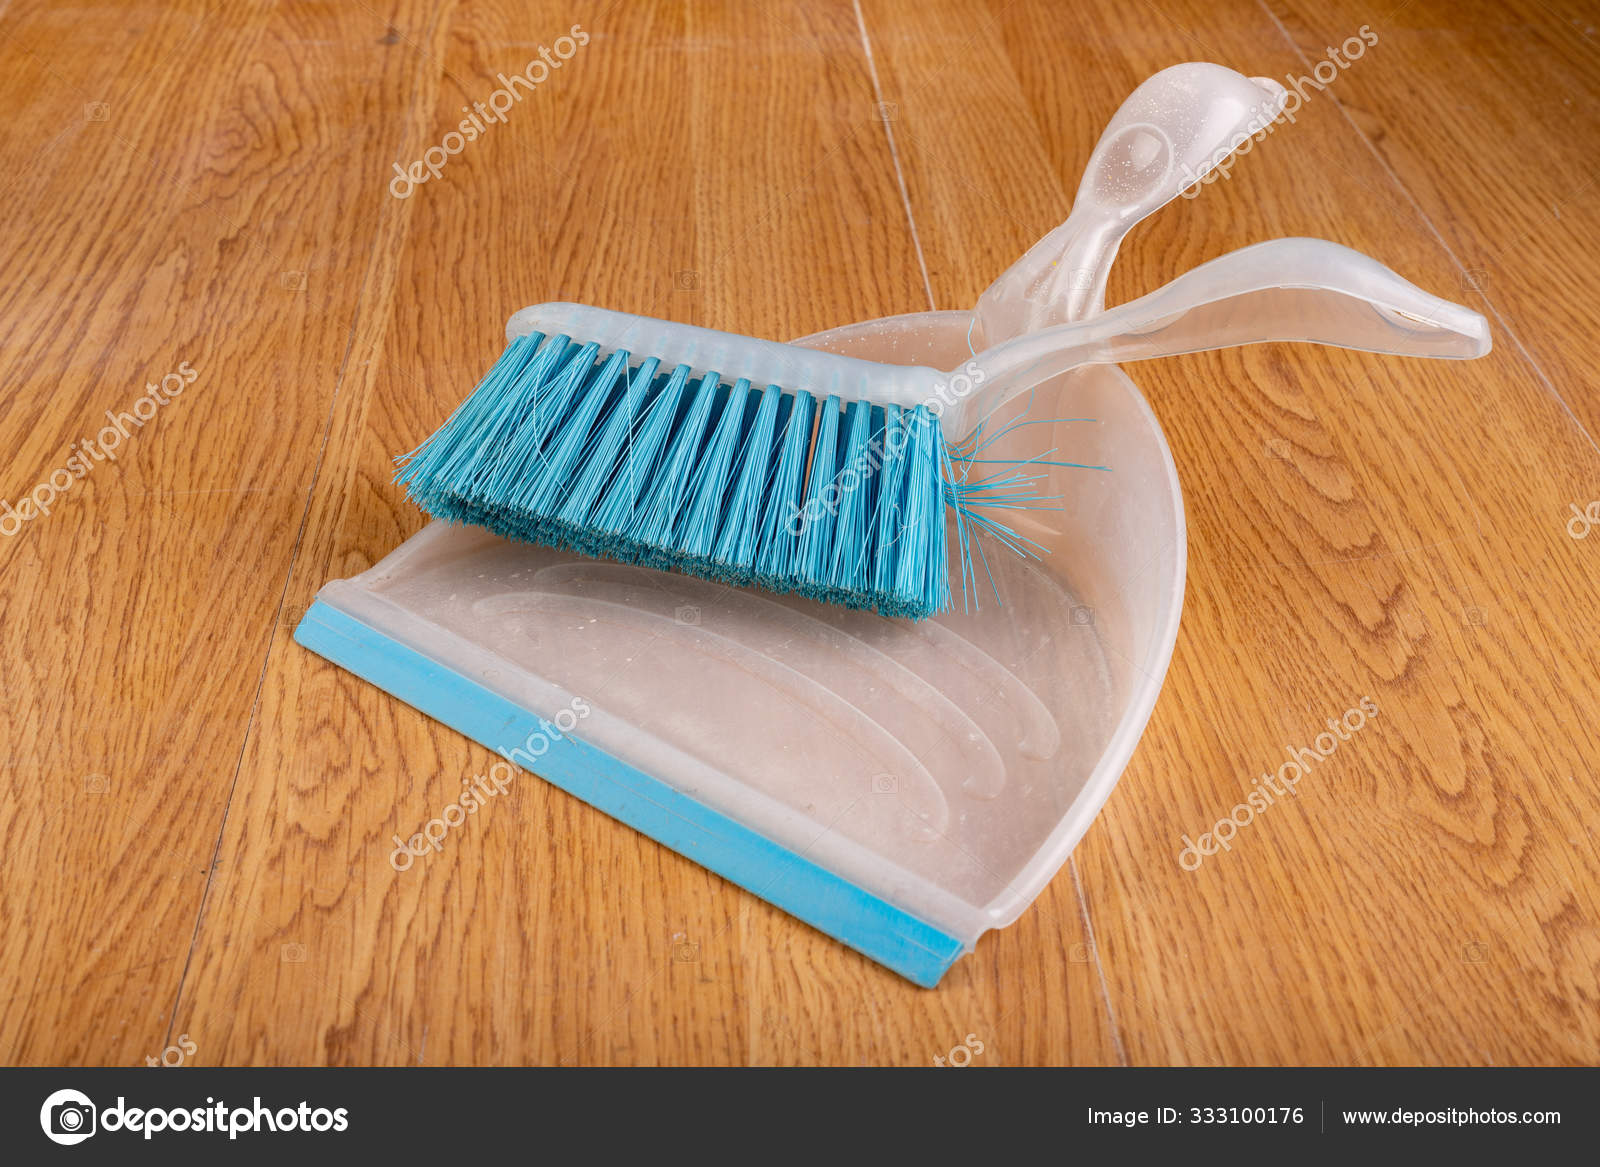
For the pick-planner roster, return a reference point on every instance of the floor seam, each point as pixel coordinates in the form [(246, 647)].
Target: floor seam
[(894, 153), (1099, 965)]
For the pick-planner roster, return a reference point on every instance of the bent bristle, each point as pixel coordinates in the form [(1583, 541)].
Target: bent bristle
[(842, 502)]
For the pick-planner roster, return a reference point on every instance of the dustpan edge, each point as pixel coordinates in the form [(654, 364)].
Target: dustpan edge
[(915, 949)]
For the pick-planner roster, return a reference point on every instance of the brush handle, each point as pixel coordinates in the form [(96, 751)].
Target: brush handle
[(1288, 289), (1169, 132)]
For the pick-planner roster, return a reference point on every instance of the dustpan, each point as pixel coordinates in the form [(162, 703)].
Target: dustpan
[(902, 786)]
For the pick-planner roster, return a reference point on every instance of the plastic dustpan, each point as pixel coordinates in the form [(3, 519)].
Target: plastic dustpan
[(902, 786)]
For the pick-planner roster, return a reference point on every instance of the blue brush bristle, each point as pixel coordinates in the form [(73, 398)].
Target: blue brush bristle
[(740, 522), (854, 496), (842, 502), (812, 523), (696, 528)]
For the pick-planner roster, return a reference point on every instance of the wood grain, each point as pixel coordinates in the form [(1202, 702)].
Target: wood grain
[(198, 809)]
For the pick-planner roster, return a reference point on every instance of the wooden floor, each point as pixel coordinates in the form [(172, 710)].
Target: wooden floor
[(194, 808)]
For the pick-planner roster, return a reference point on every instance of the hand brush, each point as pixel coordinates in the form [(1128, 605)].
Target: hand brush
[(752, 462)]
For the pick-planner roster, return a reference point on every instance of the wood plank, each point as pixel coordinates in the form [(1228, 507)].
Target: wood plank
[(1496, 152), (170, 209)]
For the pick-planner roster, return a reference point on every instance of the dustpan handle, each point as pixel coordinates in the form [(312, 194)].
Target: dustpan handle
[(1170, 131)]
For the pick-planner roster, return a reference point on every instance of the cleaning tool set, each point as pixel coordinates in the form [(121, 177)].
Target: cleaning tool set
[(902, 784)]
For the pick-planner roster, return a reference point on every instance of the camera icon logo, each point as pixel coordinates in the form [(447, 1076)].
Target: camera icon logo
[(67, 1117)]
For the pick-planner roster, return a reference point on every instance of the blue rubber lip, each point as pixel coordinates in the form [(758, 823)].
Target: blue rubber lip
[(872, 926)]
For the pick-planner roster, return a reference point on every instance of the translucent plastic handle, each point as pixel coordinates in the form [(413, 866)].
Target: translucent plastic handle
[(1171, 130), (1287, 289)]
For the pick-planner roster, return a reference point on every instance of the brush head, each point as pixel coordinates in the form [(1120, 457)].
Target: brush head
[(676, 466)]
